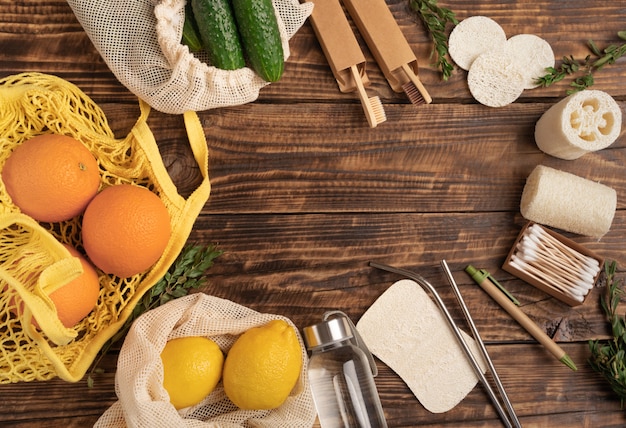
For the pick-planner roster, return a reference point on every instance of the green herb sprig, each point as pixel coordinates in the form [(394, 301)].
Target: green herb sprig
[(188, 272), (609, 357), (588, 66), (436, 19)]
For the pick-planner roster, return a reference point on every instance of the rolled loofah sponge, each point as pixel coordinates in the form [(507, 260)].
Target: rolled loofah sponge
[(568, 202), (586, 121)]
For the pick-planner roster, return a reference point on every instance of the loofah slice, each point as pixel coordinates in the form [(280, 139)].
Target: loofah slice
[(494, 79), (406, 330), (532, 55), (472, 37), (586, 121)]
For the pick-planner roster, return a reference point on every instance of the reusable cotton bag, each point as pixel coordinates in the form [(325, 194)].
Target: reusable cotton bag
[(140, 40), (143, 402)]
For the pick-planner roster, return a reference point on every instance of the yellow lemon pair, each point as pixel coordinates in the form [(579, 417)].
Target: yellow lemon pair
[(259, 372)]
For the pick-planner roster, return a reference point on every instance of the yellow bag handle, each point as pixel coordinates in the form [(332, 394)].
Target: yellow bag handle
[(197, 140), (62, 269)]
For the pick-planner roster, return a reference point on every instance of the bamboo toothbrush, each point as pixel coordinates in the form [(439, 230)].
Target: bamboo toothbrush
[(372, 106), (344, 55), (389, 47)]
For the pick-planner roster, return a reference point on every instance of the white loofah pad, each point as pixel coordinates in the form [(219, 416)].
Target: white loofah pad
[(406, 330), (494, 79), (472, 37), (498, 69), (532, 55)]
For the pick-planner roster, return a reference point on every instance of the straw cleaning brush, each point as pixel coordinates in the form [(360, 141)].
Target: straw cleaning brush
[(389, 47), (344, 55)]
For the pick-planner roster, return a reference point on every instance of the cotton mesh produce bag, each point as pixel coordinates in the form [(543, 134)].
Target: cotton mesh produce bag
[(140, 40), (143, 402), (33, 263)]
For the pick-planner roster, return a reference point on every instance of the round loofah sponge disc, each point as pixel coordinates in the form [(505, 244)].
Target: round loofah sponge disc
[(472, 37), (532, 55), (494, 80)]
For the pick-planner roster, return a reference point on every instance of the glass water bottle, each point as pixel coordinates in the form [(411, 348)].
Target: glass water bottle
[(341, 372)]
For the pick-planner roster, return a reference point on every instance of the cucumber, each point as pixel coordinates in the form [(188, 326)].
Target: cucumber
[(260, 37), (190, 31), (218, 32)]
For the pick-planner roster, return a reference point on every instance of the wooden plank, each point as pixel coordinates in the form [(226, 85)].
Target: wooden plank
[(321, 261), (304, 194), (561, 401), (442, 159), (53, 32)]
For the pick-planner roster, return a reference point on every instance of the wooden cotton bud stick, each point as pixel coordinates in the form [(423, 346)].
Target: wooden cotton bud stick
[(584, 268), (553, 269), (545, 238), (563, 264), (547, 280)]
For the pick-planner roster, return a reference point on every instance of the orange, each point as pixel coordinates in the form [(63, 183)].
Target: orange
[(51, 177), (76, 299), (125, 229)]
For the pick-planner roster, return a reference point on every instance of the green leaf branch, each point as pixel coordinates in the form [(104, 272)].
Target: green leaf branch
[(592, 63), (609, 357), (435, 20), (187, 273)]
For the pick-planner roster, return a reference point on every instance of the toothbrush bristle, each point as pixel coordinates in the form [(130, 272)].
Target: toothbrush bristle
[(379, 111), (413, 93)]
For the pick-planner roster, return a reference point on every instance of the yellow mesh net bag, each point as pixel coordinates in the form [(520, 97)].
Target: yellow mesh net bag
[(33, 262)]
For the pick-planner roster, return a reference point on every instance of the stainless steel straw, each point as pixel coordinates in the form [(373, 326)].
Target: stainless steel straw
[(481, 345), (455, 329)]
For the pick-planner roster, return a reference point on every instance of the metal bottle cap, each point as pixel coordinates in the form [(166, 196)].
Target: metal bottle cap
[(330, 331)]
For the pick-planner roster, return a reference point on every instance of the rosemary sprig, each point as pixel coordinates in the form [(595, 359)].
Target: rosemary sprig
[(436, 19), (588, 66), (186, 273), (609, 358)]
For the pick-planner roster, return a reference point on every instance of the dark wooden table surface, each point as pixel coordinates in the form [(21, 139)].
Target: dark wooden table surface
[(304, 194)]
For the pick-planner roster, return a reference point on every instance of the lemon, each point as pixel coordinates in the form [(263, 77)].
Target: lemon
[(192, 367), (262, 366)]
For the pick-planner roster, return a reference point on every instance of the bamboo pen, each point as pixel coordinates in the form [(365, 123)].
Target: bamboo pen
[(481, 277)]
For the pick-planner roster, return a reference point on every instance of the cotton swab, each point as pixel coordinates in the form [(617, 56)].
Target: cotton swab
[(566, 279), (534, 247), (548, 276), (534, 255), (556, 271), (546, 237), (521, 265), (551, 244), (554, 265)]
